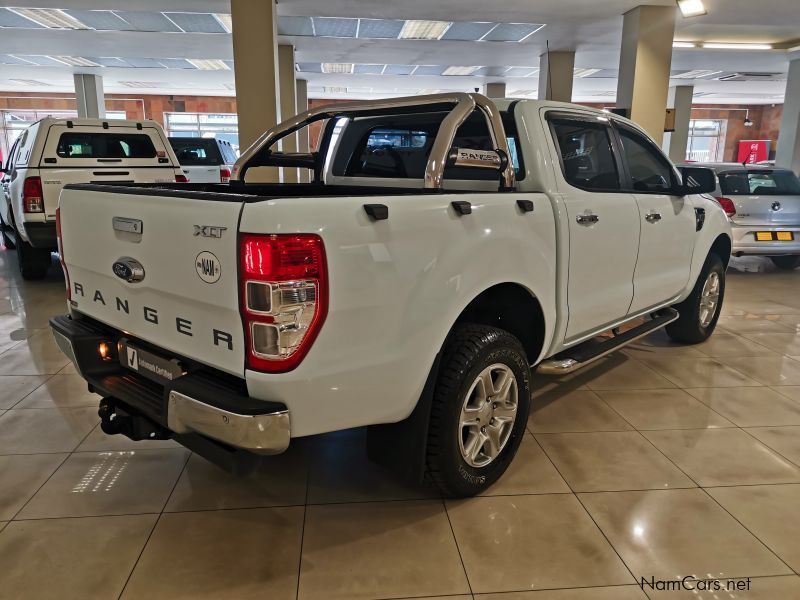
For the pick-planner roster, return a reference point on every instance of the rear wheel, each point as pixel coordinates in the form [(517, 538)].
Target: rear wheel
[(33, 262), (480, 409), (786, 262), (700, 311)]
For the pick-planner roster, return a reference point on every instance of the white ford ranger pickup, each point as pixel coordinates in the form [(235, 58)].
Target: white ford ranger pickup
[(52, 153), (447, 247)]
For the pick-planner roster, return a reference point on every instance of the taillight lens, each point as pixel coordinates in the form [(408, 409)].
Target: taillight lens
[(181, 179), (284, 296), (224, 175), (61, 253), (32, 196), (727, 205)]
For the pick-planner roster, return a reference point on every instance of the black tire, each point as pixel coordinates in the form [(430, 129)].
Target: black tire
[(471, 350), (787, 263), (688, 328), (33, 262)]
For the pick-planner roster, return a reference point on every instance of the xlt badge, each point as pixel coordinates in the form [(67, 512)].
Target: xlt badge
[(212, 231), (128, 269)]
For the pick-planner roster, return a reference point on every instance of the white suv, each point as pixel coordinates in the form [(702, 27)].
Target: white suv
[(204, 160), (54, 152)]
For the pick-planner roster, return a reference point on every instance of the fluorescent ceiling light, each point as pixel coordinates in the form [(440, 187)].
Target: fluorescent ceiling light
[(337, 67), (424, 30), (684, 45), (696, 74), (209, 64), (584, 72), (460, 70), (225, 21), (76, 61), (55, 19), (692, 8), (731, 46)]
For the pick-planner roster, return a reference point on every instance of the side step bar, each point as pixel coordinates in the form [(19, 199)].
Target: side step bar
[(583, 354)]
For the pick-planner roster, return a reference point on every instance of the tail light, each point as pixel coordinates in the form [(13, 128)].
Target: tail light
[(32, 195), (284, 298), (727, 205), (181, 179), (61, 253), (224, 175)]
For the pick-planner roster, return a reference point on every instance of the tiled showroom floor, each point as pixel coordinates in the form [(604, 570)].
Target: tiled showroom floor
[(661, 462)]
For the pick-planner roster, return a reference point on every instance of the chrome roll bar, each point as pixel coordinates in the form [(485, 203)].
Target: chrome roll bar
[(463, 106)]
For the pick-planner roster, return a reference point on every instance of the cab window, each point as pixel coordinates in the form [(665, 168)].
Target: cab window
[(587, 159), (649, 170)]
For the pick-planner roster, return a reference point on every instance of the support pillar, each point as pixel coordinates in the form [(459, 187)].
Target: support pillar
[(255, 53), (788, 151), (644, 66), (556, 71), (494, 90), (679, 98), (302, 135), (288, 101), (89, 95)]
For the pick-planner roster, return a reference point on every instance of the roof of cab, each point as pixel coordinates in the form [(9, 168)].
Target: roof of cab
[(85, 122)]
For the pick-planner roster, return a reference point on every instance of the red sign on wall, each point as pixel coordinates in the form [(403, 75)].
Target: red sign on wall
[(753, 151)]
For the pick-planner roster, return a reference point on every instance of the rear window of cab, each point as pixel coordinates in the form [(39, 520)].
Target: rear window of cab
[(75, 144)]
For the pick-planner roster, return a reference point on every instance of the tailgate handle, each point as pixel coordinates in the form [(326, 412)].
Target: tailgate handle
[(111, 173), (128, 225)]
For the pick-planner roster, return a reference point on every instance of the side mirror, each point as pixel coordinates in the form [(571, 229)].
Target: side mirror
[(697, 180)]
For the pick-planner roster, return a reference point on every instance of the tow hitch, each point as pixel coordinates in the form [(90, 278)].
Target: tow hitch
[(114, 420)]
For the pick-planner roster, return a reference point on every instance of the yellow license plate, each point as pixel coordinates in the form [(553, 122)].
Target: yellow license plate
[(774, 236)]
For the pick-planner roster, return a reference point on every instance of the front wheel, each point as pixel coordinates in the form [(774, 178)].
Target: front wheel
[(787, 263), (700, 311), (480, 409)]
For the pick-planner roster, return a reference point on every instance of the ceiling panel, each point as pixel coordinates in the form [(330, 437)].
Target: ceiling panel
[(429, 70), (196, 22), (379, 28), (334, 27), (398, 69), (104, 20), (176, 63), (510, 32), (12, 19), (467, 31), (368, 69), (107, 61), (295, 26), (148, 21)]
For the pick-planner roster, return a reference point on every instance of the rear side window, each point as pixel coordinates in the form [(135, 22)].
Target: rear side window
[(759, 183), (586, 156), (73, 144)]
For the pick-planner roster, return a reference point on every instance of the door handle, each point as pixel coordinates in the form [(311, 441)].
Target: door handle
[(653, 217), (587, 218)]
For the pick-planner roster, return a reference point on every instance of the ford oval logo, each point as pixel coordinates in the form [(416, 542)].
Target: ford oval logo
[(129, 269)]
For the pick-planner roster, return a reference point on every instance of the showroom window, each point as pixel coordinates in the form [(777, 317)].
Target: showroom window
[(222, 126), (586, 157), (706, 140), (14, 122)]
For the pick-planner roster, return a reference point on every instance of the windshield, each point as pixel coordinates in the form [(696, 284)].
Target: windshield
[(759, 183)]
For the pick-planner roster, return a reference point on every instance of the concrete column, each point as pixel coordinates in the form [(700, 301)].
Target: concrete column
[(288, 102), (302, 135), (255, 53), (675, 143), (89, 94), (494, 90), (788, 151), (644, 65), (556, 71)]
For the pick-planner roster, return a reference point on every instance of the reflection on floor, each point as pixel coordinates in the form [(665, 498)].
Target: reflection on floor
[(659, 462)]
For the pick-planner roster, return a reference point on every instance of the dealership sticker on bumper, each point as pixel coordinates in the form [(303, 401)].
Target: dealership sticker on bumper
[(148, 364)]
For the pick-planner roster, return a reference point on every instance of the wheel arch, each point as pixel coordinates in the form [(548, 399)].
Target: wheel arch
[(722, 247)]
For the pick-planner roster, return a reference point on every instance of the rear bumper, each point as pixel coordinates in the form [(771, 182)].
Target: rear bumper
[(41, 235), (745, 244), (200, 402)]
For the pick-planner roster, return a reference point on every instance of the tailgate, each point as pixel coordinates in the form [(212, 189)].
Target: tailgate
[(187, 302), (767, 209)]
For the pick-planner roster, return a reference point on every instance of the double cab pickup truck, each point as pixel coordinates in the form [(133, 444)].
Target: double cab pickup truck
[(447, 247)]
